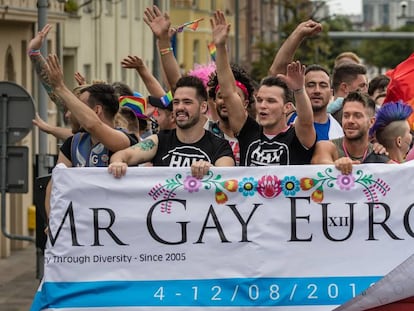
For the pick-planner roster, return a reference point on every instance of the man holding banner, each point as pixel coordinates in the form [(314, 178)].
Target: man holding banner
[(354, 147), (187, 145)]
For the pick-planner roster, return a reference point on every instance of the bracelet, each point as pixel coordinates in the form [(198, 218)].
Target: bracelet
[(34, 52), (166, 51), (298, 90)]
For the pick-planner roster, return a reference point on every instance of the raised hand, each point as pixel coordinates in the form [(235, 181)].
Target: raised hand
[(79, 78), (219, 28), (54, 71), (132, 62), (295, 76), (158, 22), (37, 41), (309, 28), (41, 124)]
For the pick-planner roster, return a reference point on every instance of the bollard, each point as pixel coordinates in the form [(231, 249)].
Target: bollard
[(31, 218)]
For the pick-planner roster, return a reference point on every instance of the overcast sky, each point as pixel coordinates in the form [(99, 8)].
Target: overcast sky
[(345, 6)]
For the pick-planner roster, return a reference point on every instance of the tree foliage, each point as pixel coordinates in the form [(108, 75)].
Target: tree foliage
[(387, 53), (318, 50)]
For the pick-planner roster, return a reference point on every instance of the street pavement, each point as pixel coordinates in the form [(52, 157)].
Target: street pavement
[(18, 282)]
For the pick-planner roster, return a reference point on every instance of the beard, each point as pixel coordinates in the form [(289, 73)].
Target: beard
[(358, 136), (221, 115), (189, 123)]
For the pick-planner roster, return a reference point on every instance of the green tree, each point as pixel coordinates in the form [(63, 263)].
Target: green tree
[(320, 50), (386, 53)]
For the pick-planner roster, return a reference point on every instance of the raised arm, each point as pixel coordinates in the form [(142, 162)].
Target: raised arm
[(286, 52), (111, 138), (295, 79), (59, 132), (39, 62), (228, 90), (152, 84), (142, 152), (79, 78), (160, 25)]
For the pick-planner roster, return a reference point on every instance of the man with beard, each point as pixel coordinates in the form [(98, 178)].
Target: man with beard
[(354, 147), (187, 145), (318, 88), (244, 90)]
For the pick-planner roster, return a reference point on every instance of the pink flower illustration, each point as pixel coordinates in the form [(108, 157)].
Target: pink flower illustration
[(269, 186), (345, 182), (192, 184)]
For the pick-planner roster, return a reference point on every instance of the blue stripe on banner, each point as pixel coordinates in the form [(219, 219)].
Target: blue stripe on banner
[(237, 292)]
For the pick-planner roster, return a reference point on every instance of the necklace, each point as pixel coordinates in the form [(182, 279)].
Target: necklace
[(362, 159)]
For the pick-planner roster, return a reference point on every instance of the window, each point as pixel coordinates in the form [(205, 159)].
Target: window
[(87, 6), (108, 69), (24, 63), (124, 8), (108, 7), (10, 74), (138, 11), (87, 73), (196, 52), (123, 74), (386, 14)]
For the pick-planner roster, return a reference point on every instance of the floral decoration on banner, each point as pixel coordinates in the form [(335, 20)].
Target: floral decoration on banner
[(270, 186)]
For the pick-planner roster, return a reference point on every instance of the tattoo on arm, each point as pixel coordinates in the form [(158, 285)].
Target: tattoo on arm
[(145, 145), (39, 63)]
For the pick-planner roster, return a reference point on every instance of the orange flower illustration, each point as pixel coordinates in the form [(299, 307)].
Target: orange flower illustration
[(221, 197), (231, 185), (306, 183)]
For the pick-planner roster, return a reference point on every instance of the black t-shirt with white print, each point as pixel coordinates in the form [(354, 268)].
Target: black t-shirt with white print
[(256, 149), (174, 153)]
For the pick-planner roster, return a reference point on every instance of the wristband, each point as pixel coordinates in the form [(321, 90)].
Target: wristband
[(34, 52), (166, 51)]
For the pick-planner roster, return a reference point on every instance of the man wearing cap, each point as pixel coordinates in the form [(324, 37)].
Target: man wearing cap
[(187, 145), (162, 113)]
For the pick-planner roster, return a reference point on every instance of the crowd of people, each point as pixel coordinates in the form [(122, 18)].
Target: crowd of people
[(297, 115)]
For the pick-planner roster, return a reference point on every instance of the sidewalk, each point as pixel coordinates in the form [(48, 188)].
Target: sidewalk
[(18, 282)]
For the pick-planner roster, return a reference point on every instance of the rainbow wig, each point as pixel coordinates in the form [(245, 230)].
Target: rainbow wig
[(390, 112)]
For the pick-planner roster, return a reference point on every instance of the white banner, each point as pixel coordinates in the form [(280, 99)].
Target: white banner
[(279, 238)]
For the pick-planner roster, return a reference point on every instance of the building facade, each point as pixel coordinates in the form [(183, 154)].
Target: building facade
[(18, 24), (392, 13)]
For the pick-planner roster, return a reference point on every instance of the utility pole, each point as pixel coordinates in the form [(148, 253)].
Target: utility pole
[(42, 169), (237, 43)]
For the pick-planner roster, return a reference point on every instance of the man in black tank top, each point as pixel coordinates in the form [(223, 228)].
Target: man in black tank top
[(354, 147)]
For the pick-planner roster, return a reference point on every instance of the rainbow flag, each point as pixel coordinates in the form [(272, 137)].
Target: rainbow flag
[(137, 104), (212, 50), (193, 25), (167, 98)]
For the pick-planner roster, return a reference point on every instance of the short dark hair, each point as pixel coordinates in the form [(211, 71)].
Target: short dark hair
[(316, 67), (194, 82), (346, 72), (367, 102), (239, 75), (104, 95), (122, 89), (378, 83), (275, 81)]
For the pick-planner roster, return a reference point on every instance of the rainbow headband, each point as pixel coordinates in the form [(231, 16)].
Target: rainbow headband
[(137, 104), (240, 86)]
